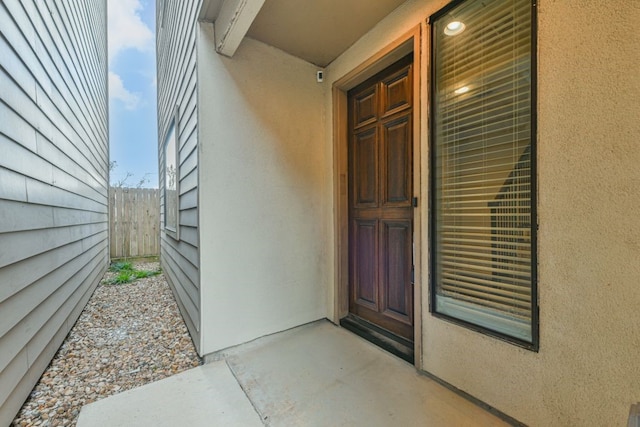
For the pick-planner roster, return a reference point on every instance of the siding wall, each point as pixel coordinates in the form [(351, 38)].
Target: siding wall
[(53, 180), (176, 56)]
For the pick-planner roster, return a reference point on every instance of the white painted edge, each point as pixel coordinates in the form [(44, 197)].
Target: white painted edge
[(233, 22)]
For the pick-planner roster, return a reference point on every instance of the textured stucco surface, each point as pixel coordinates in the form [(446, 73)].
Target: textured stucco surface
[(262, 218), (588, 132), (587, 371)]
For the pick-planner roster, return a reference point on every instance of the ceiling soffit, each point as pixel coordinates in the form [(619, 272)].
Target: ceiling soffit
[(317, 31)]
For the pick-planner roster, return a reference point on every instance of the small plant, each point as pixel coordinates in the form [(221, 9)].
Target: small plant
[(121, 266), (141, 274), (127, 273), (123, 277)]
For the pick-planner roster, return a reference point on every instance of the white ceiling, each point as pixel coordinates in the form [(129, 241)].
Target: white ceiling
[(317, 31)]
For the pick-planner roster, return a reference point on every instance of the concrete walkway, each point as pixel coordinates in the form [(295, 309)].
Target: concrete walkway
[(314, 375)]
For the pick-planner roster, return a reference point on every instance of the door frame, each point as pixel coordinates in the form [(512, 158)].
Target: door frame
[(411, 41)]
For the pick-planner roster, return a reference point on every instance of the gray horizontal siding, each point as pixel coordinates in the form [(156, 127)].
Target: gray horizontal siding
[(176, 56), (53, 180)]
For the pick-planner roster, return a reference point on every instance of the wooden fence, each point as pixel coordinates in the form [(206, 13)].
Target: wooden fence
[(135, 222)]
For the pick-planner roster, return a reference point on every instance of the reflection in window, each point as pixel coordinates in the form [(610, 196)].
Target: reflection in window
[(482, 166), (171, 181)]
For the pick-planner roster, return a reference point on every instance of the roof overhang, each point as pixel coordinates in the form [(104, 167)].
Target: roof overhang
[(317, 31), (232, 21)]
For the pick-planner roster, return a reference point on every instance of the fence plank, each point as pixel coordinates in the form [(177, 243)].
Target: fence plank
[(112, 222), (155, 241), (134, 222)]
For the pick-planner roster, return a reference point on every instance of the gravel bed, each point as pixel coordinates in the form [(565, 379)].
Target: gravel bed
[(127, 336)]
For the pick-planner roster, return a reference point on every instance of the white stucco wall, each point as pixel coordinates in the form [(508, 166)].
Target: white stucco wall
[(587, 371), (262, 212)]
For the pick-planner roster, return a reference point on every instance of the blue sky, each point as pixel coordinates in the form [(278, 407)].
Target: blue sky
[(132, 91)]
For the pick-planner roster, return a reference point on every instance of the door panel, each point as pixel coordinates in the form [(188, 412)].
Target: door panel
[(398, 298), (397, 91), (365, 248), (397, 161), (366, 165), (380, 195), (365, 107)]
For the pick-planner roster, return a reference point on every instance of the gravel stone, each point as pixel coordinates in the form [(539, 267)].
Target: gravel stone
[(127, 336)]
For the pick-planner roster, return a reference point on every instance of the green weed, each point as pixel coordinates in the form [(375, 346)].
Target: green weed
[(141, 274), (127, 273), (121, 266), (123, 277)]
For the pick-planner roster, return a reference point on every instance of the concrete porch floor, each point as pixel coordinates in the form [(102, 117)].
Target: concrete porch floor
[(314, 375)]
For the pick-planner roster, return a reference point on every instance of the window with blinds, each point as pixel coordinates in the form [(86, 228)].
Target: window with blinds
[(482, 175)]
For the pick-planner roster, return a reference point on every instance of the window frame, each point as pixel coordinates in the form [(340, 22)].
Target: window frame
[(534, 345), (173, 129)]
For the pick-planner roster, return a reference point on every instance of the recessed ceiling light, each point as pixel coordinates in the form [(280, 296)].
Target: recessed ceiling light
[(454, 28), (461, 90)]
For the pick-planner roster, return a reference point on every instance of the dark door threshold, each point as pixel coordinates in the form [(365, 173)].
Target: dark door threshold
[(390, 342)]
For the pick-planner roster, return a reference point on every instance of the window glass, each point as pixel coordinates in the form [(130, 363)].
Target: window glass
[(482, 168), (171, 182)]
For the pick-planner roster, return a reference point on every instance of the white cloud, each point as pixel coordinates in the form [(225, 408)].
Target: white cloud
[(118, 92), (126, 29)]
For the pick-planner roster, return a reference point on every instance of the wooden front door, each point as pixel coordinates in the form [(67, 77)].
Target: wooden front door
[(380, 199)]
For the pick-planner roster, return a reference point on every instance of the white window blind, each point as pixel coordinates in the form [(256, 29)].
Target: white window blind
[(482, 165)]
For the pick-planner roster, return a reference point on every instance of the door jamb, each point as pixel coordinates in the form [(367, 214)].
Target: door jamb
[(409, 42)]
